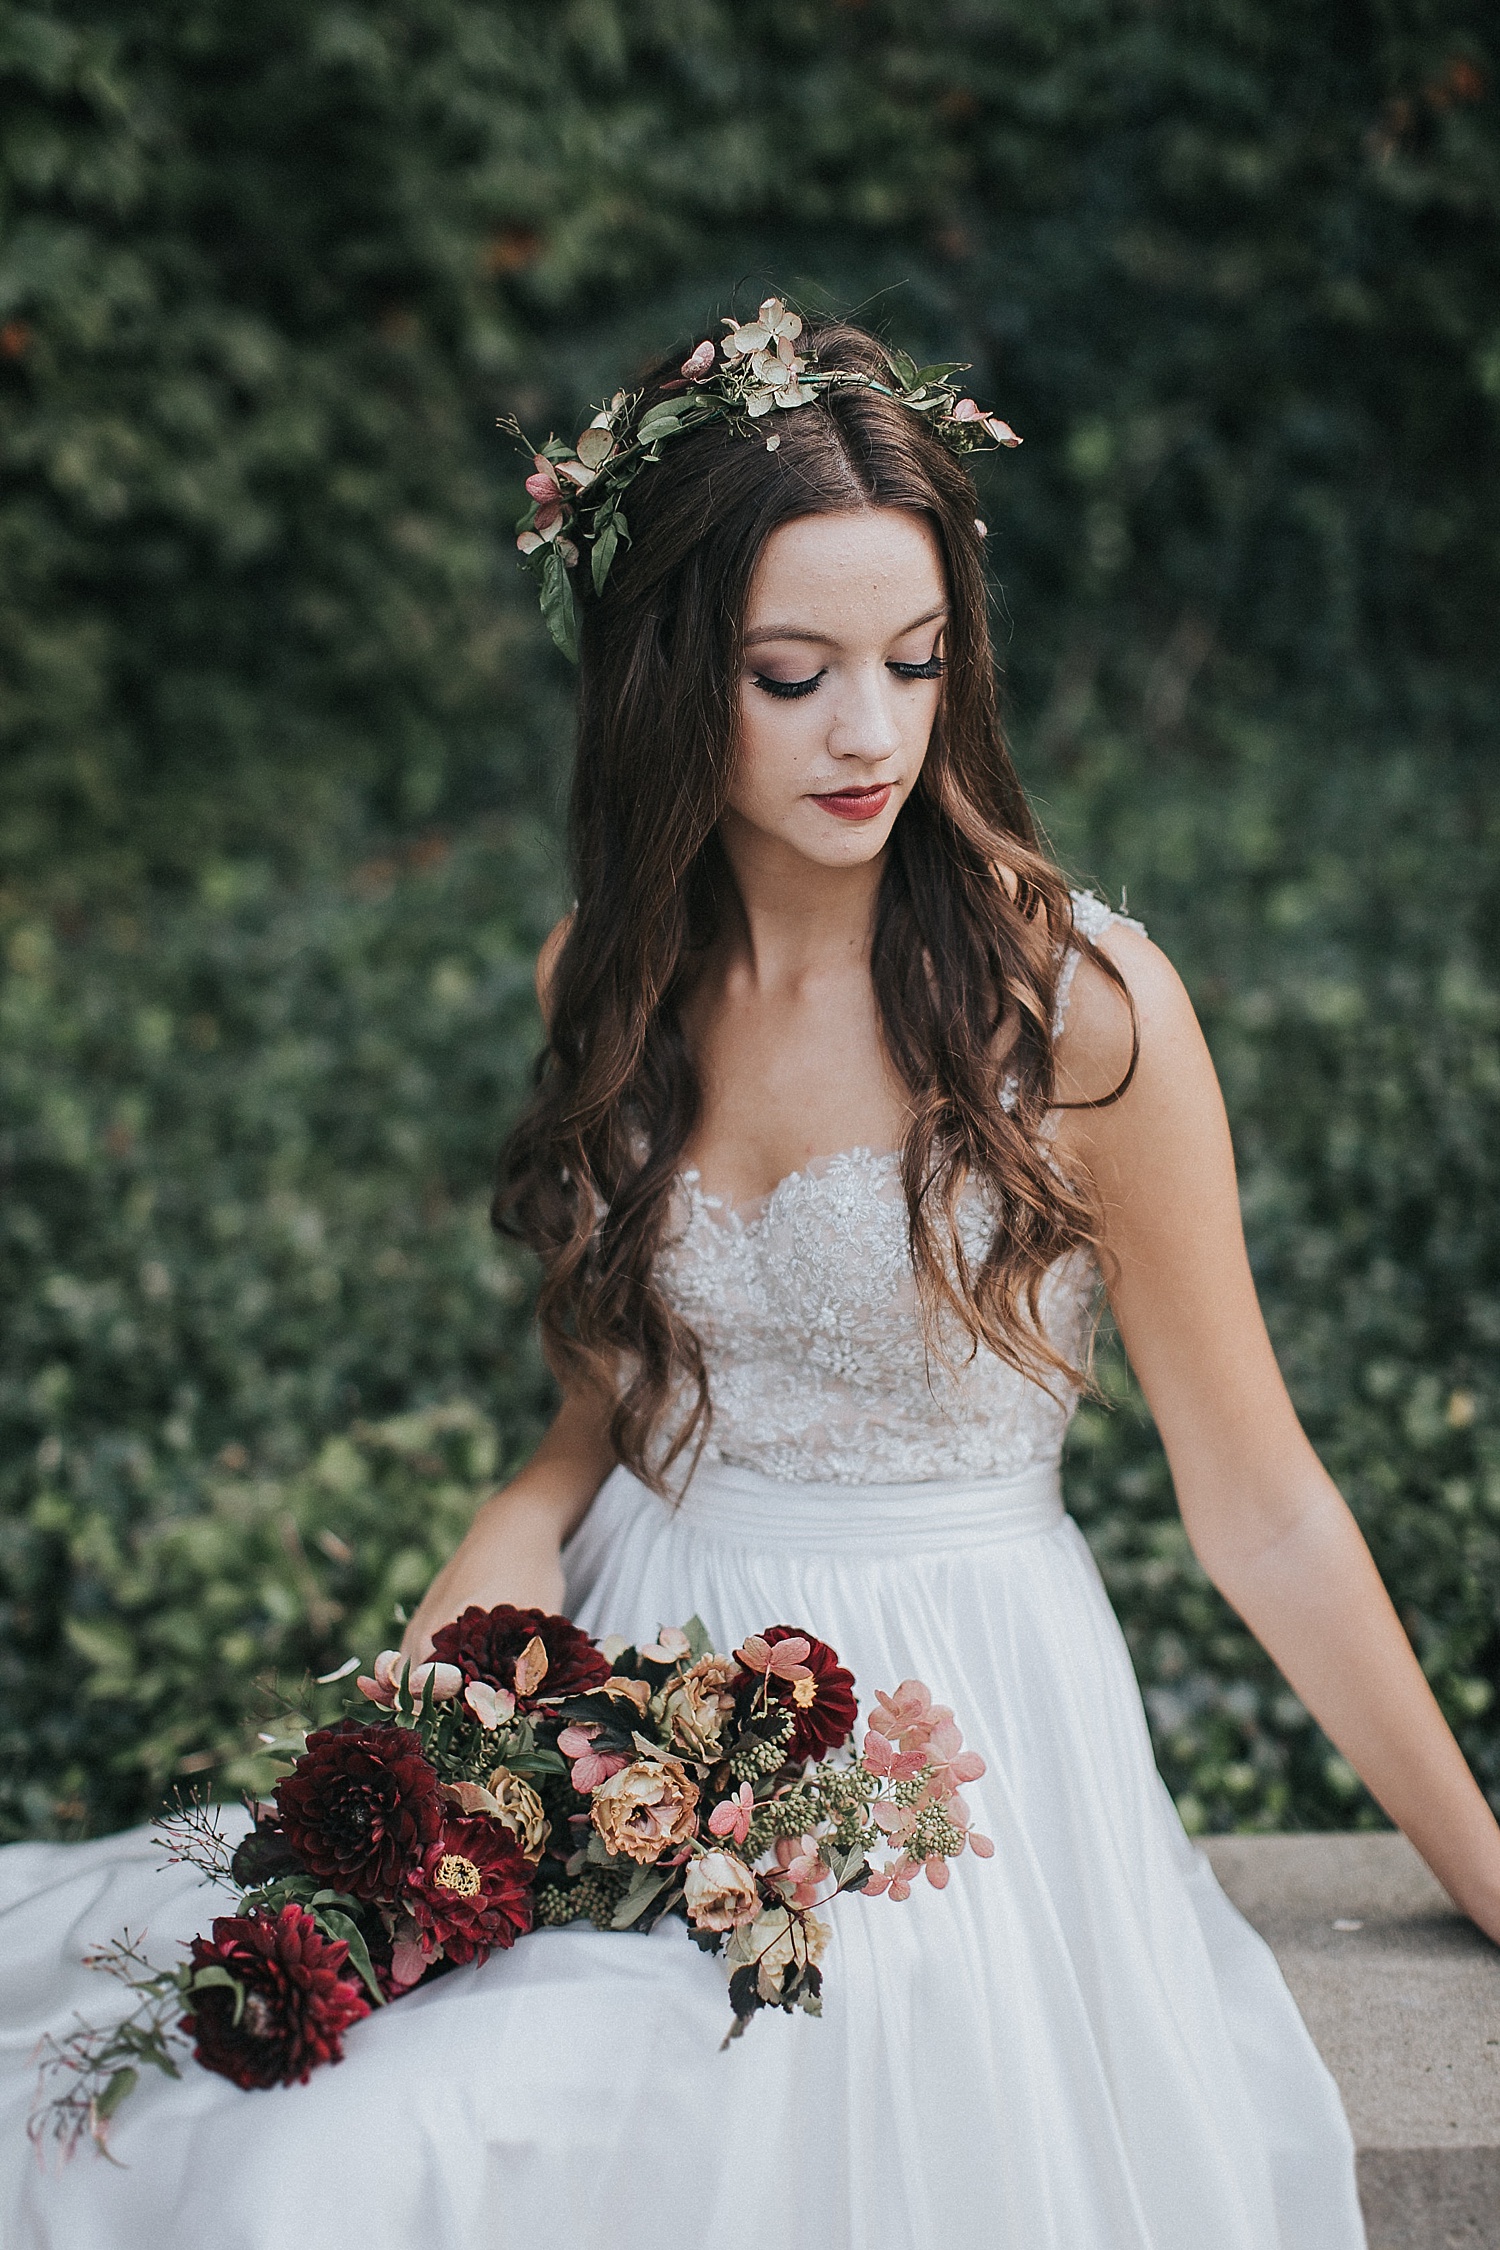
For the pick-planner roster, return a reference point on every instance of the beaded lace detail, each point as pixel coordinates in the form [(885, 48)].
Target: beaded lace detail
[(806, 1307)]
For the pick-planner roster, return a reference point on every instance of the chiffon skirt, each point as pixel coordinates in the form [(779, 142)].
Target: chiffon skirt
[(1078, 2045)]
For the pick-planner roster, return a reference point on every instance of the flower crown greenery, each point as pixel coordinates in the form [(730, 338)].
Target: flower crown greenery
[(576, 492)]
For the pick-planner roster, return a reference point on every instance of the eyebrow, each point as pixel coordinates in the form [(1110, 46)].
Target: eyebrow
[(826, 640)]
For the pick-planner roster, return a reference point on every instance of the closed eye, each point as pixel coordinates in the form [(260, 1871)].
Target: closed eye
[(787, 690)]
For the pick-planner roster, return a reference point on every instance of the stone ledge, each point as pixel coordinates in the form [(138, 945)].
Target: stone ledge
[(1402, 1995)]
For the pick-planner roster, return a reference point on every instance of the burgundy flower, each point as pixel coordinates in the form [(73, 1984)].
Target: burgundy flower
[(360, 1807), (299, 1998), (486, 1644), (472, 1891), (822, 1704)]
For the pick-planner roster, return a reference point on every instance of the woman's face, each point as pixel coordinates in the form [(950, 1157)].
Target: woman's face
[(839, 686)]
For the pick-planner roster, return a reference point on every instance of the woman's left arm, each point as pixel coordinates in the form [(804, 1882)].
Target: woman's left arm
[(1265, 1520)]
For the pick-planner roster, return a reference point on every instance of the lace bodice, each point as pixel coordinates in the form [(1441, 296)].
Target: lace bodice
[(806, 1307)]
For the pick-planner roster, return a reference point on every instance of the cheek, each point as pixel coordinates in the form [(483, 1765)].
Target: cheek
[(773, 750)]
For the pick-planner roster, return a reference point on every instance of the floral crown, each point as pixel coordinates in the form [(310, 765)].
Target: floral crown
[(576, 492)]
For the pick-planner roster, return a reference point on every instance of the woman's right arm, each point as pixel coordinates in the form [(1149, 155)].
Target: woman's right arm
[(512, 1552)]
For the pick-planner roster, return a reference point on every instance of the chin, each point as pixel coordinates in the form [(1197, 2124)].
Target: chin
[(852, 846)]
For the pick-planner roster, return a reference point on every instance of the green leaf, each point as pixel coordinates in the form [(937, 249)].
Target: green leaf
[(558, 606), (122, 2082), (844, 1866), (697, 1637), (644, 1887), (536, 1761), (605, 543), (336, 1925), (214, 1975), (661, 422)]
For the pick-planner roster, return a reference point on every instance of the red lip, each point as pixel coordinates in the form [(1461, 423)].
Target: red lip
[(856, 804)]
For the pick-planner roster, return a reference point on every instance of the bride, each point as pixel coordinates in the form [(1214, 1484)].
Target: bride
[(846, 1105)]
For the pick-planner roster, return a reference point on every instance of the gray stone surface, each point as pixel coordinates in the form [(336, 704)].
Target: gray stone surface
[(1404, 2003)]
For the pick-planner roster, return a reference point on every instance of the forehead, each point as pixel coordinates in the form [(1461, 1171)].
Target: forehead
[(869, 565)]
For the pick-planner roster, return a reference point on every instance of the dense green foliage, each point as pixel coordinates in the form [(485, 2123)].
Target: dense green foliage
[(269, 272), (244, 1223), (281, 742)]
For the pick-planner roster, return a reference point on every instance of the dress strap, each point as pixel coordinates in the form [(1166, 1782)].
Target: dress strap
[(1091, 918)]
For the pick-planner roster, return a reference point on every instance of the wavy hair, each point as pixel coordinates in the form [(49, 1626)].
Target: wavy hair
[(971, 923)]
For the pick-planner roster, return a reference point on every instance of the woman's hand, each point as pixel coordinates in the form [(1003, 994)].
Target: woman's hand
[(512, 1552), (1264, 1518)]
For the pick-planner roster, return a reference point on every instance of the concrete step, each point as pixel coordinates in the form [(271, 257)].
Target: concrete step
[(1402, 1995)]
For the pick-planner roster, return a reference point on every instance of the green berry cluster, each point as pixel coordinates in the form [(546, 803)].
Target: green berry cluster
[(592, 1898), (935, 1835), (758, 1755)]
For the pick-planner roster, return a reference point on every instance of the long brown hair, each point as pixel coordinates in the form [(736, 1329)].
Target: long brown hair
[(970, 925)]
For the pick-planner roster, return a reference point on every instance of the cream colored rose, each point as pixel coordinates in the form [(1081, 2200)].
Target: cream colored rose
[(720, 1892), (521, 1811), (646, 1809), (774, 1941), (695, 1707)]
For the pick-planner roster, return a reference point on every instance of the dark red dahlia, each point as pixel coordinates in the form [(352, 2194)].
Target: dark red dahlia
[(823, 1706), (485, 1643), (300, 1997), (472, 1891), (361, 1807)]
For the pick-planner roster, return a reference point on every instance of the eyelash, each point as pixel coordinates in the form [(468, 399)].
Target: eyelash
[(789, 691)]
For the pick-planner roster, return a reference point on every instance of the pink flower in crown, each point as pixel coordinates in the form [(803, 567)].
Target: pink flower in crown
[(772, 328), (699, 362), (769, 343), (590, 1766), (547, 492), (593, 450), (967, 411), (734, 1815)]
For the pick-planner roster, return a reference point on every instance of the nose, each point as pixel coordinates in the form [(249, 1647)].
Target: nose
[(863, 723)]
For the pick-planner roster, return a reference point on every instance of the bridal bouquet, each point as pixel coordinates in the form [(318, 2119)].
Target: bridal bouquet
[(528, 1777)]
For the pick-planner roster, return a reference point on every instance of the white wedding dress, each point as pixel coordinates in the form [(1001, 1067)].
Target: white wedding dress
[(1078, 2045)]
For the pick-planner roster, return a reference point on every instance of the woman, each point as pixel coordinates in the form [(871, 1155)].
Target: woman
[(844, 1105)]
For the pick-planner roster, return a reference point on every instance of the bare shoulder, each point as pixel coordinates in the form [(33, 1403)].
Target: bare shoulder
[(546, 964), (1105, 1020)]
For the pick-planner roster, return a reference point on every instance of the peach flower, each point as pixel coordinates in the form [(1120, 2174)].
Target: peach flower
[(720, 1892), (696, 1705), (646, 1810)]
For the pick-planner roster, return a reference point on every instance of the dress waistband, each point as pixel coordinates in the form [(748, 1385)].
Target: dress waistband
[(745, 1507)]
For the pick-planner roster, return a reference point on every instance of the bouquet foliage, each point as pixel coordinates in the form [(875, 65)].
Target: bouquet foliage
[(528, 1777)]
